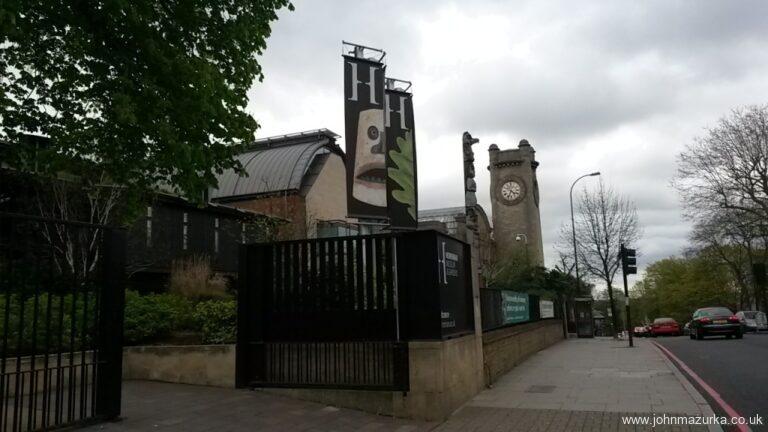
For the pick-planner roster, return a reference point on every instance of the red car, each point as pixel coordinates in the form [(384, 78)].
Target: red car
[(665, 326)]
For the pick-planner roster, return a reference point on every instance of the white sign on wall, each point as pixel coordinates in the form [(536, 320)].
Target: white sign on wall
[(546, 309)]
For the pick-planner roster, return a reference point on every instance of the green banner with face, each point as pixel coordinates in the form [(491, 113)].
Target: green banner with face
[(515, 307)]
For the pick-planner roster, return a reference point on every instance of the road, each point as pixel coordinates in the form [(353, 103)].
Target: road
[(736, 369)]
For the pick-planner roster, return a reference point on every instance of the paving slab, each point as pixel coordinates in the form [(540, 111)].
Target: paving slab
[(575, 385), (491, 419), (154, 406), (584, 374), (582, 385)]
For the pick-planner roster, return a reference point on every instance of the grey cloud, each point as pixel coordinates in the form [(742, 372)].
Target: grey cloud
[(653, 72)]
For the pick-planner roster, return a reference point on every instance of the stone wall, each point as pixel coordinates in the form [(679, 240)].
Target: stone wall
[(443, 375), (505, 348), (211, 365), (520, 216)]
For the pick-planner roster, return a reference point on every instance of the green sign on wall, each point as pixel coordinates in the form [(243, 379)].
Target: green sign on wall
[(515, 307)]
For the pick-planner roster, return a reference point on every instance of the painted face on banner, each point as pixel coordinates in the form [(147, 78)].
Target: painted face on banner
[(370, 177)]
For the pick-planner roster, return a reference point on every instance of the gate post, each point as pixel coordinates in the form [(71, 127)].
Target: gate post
[(111, 314), (254, 275), (243, 303)]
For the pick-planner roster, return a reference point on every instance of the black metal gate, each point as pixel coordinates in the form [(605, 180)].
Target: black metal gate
[(321, 313), (61, 317)]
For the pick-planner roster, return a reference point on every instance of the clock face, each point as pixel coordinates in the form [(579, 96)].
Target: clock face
[(511, 190)]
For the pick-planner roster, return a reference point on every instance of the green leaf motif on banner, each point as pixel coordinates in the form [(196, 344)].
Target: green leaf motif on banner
[(403, 175)]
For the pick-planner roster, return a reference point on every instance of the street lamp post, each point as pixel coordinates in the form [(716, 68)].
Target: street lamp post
[(573, 228)]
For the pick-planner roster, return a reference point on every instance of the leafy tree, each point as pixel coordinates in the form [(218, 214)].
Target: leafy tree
[(147, 91), (512, 271), (738, 245), (603, 304), (722, 178), (676, 287)]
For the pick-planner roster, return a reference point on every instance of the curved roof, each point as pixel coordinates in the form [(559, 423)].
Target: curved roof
[(275, 164)]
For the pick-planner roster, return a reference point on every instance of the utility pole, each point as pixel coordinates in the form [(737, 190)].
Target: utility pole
[(628, 259)]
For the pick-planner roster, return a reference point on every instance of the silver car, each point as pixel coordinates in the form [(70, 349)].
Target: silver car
[(753, 321)]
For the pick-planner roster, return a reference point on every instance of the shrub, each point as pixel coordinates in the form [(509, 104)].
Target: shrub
[(153, 316), (217, 319), (144, 318), (192, 277), (33, 316), (150, 318)]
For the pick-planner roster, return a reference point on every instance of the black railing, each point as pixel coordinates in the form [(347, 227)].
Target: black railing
[(329, 289), (353, 364), (320, 313), (60, 361), (338, 312)]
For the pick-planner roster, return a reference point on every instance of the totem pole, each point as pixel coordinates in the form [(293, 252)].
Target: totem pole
[(470, 187)]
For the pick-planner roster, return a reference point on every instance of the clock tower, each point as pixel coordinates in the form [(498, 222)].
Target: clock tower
[(515, 202)]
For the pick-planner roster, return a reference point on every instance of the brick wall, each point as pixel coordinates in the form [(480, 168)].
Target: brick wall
[(327, 199), (505, 348), (289, 207)]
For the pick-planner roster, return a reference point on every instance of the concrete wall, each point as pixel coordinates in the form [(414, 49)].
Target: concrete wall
[(505, 348), (443, 375), (211, 365)]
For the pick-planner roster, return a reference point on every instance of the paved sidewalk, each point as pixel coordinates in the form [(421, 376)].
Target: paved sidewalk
[(581, 384), (575, 385), (153, 406)]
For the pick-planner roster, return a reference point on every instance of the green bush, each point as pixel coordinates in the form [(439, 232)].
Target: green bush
[(150, 318), (145, 318), (217, 320), (153, 316), (33, 318)]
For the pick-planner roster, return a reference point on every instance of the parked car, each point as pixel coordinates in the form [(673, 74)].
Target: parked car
[(665, 327), (711, 321), (687, 328), (753, 321), (640, 331)]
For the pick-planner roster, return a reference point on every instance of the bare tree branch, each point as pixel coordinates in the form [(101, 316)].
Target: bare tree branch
[(722, 179), (604, 220)]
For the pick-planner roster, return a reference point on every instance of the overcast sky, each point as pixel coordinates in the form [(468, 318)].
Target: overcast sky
[(615, 86)]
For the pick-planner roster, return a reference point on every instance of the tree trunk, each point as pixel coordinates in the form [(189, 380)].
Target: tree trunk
[(614, 318)]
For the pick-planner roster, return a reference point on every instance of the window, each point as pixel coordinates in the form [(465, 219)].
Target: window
[(714, 311), (185, 232), (149, 226), (216, 235)]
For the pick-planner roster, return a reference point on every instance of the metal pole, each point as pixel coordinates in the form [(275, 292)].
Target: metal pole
[(573, 229), (575, 252), (626, 301)]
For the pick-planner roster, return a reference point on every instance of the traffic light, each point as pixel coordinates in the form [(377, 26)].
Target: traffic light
[(628, 259)]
